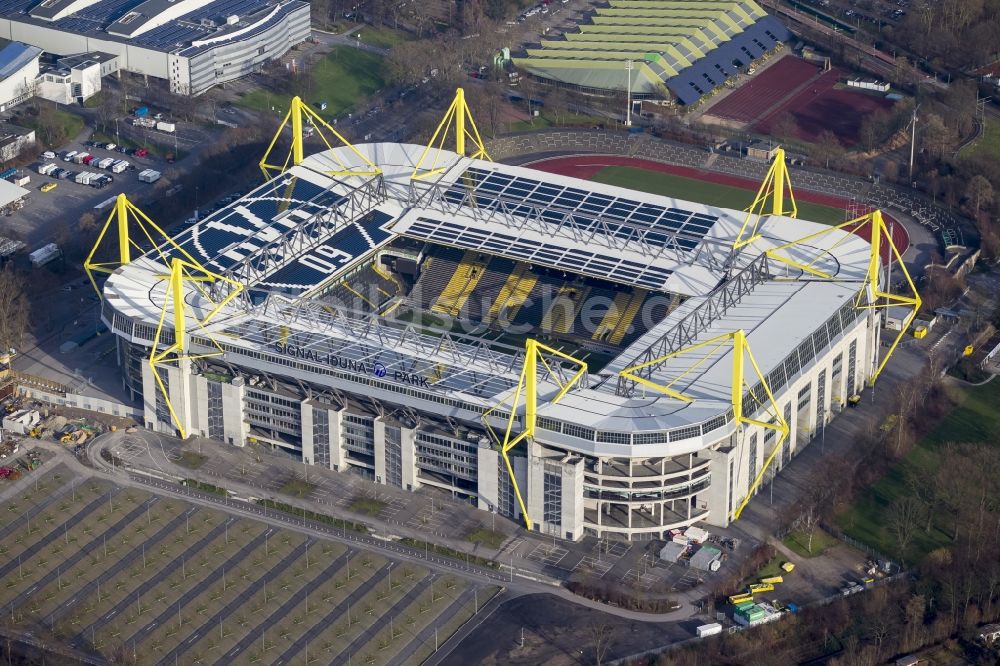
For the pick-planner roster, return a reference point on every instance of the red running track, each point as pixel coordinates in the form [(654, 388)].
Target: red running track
[(586, 166)]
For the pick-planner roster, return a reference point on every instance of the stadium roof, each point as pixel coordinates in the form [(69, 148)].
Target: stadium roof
[(298, 234), (686, 47), (188, 26)]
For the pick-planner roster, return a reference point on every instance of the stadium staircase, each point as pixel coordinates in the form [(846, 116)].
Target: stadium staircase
[(512, 294), (387, 277), (468, 273), (495, 276), (628, 314), (559, 318)]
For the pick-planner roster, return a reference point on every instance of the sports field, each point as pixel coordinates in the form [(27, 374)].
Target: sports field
[(712, 194)]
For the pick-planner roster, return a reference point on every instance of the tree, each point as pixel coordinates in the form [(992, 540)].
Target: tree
[(600, 636), (904, 518), (979, 191), (15, 310)]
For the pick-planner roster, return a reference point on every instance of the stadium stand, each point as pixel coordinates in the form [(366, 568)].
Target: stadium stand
[(679, 48)]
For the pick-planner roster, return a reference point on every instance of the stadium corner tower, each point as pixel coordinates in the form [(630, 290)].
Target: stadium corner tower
[(586, 359)]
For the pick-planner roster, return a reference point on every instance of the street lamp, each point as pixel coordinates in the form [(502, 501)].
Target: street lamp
[(628, 108)]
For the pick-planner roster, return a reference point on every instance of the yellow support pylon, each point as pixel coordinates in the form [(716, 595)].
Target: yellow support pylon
[(459, 116), (527, 386), (184, 272), (741, 353), (772, 189), (871, 287), (125, 215), (297, 112)]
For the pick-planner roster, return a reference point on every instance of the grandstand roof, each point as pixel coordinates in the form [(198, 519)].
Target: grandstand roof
[(686, 47), (291, 237)]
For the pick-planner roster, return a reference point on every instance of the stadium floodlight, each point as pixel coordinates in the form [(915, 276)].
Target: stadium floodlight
[(871, 295), (126, 215), (772, 189), (298, 114), (741, 353), (458, 116), (527, 386), (183, 272)]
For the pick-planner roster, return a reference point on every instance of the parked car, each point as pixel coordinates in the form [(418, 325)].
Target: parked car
[(47, 187)]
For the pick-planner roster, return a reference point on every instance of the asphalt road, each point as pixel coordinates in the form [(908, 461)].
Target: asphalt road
[(229, 610), (282, 611)]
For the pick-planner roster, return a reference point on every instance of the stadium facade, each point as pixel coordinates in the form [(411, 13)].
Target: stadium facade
[(365, 313), (193, 44), (679, 49)]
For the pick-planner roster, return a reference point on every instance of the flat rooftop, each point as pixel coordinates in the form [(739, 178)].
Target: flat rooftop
[(162, 25)]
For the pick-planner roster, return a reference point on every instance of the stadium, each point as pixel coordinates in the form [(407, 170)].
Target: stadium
[(584, 358)]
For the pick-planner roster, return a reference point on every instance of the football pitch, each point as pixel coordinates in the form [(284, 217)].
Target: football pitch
[(711, 194)]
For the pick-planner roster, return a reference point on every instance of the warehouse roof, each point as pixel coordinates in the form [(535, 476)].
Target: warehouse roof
[(15, 56)]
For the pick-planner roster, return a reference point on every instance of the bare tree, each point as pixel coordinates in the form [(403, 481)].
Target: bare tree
[(601, 634), (905, 515), (15, 310)]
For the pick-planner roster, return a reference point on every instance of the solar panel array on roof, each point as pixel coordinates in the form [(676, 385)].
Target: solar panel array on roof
[(625, 219), (96, 17), (594, 263), (251, 230), (723, 62)]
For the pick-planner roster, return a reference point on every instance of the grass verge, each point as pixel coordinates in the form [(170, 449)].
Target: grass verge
[(191, 460), (367, 506), (343, 77), (450, 552), (486, 537), (312, 515), (798, 541), (298, 488)]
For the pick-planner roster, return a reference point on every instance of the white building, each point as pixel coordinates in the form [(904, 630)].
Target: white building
[(501, 254), (75, 79), (194, 44), (18, 71)]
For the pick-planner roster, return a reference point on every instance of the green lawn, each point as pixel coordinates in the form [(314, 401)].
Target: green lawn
[(988, 145), (976, 419), (711, 194), (341, 79), (191, 460), (545, 120), (381, 37), (799, 542), (298, 488)]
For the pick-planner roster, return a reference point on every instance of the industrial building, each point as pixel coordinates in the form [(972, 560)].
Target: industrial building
[(18, 71), (193, 44), (663, 49), (585, 358)]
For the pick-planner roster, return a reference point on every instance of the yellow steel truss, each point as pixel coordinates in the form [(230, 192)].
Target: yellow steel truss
[(772, 189), (459, 116), (181, 272), (737, 342), (872, 295), (126, 215), (298, 113), (527, 386)]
